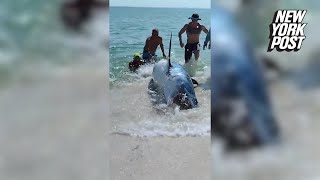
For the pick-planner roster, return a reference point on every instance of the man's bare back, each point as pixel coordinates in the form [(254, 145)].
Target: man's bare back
[(152, 44)]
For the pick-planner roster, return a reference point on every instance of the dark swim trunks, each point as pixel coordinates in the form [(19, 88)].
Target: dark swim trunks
[(189, 48), (147, 56)]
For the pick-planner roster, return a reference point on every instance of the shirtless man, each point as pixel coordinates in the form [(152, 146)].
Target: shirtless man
[(151, 45), (193, 30)]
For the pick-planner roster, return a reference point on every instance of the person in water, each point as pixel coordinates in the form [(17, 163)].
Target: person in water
[(136, 62), (207, 40), (74, 13), (193, 30), (151, 45)]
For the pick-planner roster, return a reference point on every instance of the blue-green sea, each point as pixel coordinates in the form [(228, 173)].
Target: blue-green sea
[(130, 26), (32, 36)]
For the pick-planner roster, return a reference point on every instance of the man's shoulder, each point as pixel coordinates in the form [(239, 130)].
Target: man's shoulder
[(155, 38)]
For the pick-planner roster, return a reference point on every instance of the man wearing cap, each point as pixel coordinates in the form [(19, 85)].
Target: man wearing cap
[(151, 45), (136, 62), (193, 30)]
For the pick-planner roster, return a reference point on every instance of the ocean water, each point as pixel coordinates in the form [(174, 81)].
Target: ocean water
[(129, 28), (131, 111), (34, 41)]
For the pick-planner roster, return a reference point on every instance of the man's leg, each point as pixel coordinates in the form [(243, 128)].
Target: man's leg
[(187, 53), (146, 56), (153, 57), (196, 52)]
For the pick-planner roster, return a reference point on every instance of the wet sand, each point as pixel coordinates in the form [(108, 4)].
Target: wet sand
[(185, 158), (55, 126)]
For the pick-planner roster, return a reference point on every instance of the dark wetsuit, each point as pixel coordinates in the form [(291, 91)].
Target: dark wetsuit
[(135, 64), (189, 48)]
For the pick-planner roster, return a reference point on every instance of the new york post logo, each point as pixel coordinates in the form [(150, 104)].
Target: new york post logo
[(287, 30)]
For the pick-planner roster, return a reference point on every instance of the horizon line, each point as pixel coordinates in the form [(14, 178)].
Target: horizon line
[(161, 7)]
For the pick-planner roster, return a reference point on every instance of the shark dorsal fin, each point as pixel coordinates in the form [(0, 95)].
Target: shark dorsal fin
[(170, 65)]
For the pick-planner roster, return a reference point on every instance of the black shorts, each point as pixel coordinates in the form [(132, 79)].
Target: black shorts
[(189, 49), (147, 56)]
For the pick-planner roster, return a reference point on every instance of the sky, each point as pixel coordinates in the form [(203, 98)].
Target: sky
[(162, 3)]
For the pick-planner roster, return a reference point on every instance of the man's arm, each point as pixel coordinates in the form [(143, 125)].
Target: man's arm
[(181, 32), (204, 29), (146, 46)]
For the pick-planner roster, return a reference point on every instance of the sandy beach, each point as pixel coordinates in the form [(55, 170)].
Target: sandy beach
[(146, 144), (53, 124), (185, 158), (61, 132)]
